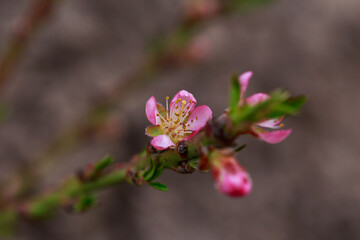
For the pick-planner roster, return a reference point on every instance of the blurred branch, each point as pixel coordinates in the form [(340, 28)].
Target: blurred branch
[(38, 13), (180, 46), (77, 193)]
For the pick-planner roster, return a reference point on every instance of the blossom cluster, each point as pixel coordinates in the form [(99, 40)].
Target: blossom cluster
[(181, 119)]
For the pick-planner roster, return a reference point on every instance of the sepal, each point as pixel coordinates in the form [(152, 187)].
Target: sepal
[(153, 131), (159, 186), (234, 94)]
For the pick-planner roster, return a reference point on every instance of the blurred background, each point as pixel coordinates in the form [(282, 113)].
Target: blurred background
[(75, 76)]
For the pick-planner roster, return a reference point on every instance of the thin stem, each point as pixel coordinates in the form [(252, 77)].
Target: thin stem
[(217, 134), (169, 51), (38, 13)]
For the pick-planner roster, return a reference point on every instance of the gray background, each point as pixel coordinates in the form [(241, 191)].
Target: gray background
[(304, 188)]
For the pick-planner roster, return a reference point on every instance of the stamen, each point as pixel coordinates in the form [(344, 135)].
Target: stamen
[(167, 107), (181, 110), (281, 125), (187, 112), (175, 122), (161, 117)]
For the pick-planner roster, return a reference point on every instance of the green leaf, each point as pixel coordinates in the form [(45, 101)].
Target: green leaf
[(194, 162), (84, 203), (278, 105), (159, 186), (240, 148), (154, 131), (234, 95), (156, 174), (150, 172), (291, 106), (103, 163)]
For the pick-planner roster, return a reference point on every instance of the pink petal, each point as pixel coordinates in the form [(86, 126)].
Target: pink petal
[(190, 136), (184, 95), (244, 82), (257, 98), (235, 185), (230, 178), (271, 123), (199, 117), (162, 142), (151, 111), (274, 136)]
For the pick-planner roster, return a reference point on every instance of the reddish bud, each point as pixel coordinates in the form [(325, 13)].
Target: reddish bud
[(230, 178), (203, 9)]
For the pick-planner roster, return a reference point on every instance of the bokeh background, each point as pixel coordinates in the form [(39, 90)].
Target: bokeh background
[(304, 188)]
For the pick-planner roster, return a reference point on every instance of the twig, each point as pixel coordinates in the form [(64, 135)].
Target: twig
[(38, 13), (173, 49), (76, 193)]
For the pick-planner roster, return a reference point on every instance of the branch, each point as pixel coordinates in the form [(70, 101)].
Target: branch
[(180, 46), (38, 13), (205, 148)]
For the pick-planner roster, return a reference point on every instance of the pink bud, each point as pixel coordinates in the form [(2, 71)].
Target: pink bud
[(230, 178), (197, 10)]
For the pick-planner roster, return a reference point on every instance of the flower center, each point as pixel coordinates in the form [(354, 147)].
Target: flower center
[(174, 122)]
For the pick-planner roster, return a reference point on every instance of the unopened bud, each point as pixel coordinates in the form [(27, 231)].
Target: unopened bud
[(201, 9), (230, 178)]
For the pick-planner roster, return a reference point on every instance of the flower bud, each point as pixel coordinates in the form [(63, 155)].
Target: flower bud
[(230, 178), (201, 9)]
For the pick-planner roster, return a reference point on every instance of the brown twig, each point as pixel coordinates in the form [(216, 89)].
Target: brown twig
[(38, 13), (173, 49)]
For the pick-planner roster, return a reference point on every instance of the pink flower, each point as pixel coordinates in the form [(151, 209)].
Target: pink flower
[(176, 122), (258, 129), (230, 178)]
